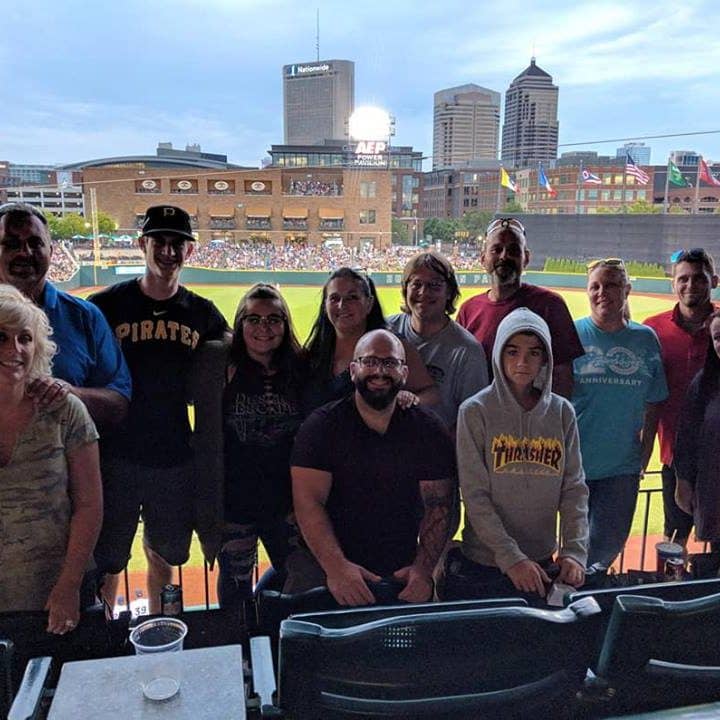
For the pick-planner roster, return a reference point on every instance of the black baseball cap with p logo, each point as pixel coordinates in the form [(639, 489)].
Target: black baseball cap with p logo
[(167, 219)]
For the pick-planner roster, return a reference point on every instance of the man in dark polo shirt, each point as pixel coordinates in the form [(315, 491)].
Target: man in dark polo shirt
[(372, 485)]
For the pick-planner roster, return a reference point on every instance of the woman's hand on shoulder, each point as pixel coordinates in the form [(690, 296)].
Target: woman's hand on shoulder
[(407, 399), (48, 391)]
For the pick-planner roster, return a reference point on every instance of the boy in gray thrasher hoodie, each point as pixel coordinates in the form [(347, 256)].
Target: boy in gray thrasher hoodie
[(519, 464)]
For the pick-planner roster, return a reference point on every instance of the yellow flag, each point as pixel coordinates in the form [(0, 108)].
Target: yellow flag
[(506, 180)]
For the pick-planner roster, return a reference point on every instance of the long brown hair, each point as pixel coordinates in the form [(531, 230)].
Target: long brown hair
[(288, 358)]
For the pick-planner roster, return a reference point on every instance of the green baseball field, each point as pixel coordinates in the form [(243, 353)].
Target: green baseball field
[(304, 301)]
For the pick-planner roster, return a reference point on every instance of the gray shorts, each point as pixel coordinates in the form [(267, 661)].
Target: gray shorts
[(163, 497)]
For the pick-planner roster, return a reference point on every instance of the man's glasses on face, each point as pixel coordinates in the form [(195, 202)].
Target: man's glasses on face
[(606, 262), (370, 362), (269, 320)]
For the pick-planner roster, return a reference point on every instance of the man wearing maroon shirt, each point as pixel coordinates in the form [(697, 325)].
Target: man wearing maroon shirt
[(683, 345), (504, 256)]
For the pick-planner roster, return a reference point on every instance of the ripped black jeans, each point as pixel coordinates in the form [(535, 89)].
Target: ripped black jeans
[(239, 553)]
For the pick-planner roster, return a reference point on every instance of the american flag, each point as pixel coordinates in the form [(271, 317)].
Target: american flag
[(638, 173)]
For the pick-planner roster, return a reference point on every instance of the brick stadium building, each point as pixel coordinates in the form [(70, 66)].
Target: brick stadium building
[(256, 205)]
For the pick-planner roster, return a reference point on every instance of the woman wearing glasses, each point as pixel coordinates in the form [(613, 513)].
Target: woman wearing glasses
[(261, 414), (618, 384), (350, 308)]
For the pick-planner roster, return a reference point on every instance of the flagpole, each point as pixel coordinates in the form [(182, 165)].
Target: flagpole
[(624, 185), (499, 194), (577, 189), (667, 187), (697, 189)]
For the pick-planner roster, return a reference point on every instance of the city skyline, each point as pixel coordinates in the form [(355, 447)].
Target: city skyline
[(106, 80)]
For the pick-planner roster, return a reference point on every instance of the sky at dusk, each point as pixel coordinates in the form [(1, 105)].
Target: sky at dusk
[(89, 80)]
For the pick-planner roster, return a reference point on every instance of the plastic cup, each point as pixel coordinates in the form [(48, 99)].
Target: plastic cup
[(666, 550), (160, 640)]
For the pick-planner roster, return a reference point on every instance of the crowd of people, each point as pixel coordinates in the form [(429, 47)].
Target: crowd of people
[(315, 187), (348, 457), (292, 256)]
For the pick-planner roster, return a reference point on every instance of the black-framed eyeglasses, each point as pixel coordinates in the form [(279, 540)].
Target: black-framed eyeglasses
[(269, 320), (504, 224), (694, 255), (371, 362), (606, 262)]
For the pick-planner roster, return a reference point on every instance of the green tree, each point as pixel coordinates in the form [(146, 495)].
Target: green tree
[(400, 232), (676, 210), (512, 206), (643, 207), (442, 228), (476, 222), (106, 224), (71, 224), (605, 210), (54, 224)]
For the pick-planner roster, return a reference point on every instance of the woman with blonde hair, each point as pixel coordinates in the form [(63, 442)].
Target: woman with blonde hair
[(50, 492)]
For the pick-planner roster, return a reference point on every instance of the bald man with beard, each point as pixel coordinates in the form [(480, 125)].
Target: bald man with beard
[(372, 485)]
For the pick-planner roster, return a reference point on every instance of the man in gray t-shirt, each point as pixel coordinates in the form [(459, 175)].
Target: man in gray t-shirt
[(454, 358)]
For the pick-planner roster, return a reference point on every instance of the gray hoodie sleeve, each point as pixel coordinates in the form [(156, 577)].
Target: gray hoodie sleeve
[(480, 512), (574, 530)]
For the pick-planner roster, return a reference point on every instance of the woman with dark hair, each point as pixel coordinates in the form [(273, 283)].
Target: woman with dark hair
[(261, 414), (696, 448), (50, 490), (350, 308)]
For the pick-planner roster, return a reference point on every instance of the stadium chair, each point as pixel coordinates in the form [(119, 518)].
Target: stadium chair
[(673, 591), (472, 659), (660, 654), (273, 606), (6, 685), (29, 703)]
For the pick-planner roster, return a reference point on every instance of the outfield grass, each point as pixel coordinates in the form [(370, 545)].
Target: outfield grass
[(304, 302)]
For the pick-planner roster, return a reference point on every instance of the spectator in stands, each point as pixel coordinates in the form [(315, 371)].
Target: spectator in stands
[(683, 335), (261, 409), (147, 463), (350, 308), (50, 492), (453, 357), (696, 447), (504, 256), (371, 485), (519, 464), (89, 363), (618, 385)]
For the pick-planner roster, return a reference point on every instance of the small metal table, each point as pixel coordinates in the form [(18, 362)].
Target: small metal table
[(212, 686)]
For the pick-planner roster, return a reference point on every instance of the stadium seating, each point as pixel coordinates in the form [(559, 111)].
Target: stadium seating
[(659, 654), (469, 659)]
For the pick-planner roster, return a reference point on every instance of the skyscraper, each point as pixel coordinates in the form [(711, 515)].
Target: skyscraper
[(530, 130), (639, 152), (466, 125), (318, 99)]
